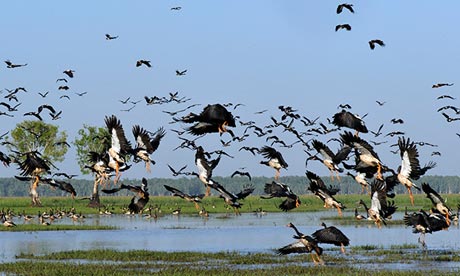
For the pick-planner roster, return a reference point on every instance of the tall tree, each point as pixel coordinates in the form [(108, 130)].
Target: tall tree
[(36, 145)]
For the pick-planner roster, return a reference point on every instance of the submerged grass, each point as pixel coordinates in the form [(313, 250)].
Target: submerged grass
[(143, 262)]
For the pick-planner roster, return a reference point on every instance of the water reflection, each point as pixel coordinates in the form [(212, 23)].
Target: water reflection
[(245, 233)]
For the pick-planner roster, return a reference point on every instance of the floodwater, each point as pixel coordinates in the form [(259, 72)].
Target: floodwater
[(219, 232)]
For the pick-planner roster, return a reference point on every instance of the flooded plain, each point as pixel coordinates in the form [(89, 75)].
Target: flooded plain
[(219, 232)]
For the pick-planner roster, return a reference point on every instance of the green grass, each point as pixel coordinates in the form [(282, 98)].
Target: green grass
[(143, 262), (213, 204)]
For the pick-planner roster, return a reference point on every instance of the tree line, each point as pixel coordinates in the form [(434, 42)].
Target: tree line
[(11, 187)]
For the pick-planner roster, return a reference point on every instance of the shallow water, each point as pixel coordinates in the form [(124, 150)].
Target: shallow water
[(245, 233)]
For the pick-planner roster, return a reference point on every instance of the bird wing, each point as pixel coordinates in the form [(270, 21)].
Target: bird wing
[(175, 191), (245, 192), (296, 247), (119, 141), (331, 235), (155, 141), (323, 150), (410, 165), (432, 194), (142, 137), (289, 204)]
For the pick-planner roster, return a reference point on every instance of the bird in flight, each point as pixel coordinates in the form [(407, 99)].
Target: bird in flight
[(343, 26), (180, 73), (69, 73), (145, 62), (346, 6), (176, 8), (438, 85), (109, 37), (375, 41), (9, 64)]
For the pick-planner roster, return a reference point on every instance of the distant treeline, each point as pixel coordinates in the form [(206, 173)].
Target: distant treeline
[(13, 187)]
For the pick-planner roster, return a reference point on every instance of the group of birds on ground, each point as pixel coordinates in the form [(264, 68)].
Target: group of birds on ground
[(216, 118)]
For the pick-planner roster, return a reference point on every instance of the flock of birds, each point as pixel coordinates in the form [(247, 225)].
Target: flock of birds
[(356, 156)]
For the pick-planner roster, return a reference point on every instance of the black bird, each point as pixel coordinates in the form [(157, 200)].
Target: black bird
[(346, 6), (5, 159), (277, 189), (190, 198), (445, 97), (349, 120), (423, 223), (181, 73), (326, 194), (176, 8), (378, 132), (306, 244), (450, 119), (397, 121), (438, 85), (109, 37), (252, 150), (454, 108), (213, 118), (68, 176), (375, 41), (140, 199), (63, 87), (69, 73), (380, 103), (144, 62), (64, 186), (242, 174), (275, 159), (230, 198), (331, 235), (9, 64), (343, 26)]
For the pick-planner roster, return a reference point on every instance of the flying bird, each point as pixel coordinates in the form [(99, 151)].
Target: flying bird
[(349, 120), (331, 235), (277, 189), (181, 73), (346, 6), (143, 62), (242, 174), (326, 194), (190, 198), (438, 85), (275, 160), (9, 64), (305, 244), (69, 73), (214, 118), (343, 27), (146, 145), (109, 37), (373, 42)]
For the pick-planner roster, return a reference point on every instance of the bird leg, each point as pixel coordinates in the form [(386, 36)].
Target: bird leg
[(222, 128), (277, 174), (339, 211), (342, 248), (34, 193), (197, 206), (411, 196), (208, 190), (313, 258), (337, 175), (147, 166), (379, 171), (421, 240), (447, 219), (117, 173)]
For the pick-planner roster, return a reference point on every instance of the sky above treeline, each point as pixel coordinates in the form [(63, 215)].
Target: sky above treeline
[(260, 54)]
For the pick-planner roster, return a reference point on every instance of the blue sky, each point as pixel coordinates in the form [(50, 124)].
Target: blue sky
[(259, 53)]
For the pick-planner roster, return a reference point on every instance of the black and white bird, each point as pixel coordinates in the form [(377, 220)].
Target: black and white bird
[(120, 146), (423, 223), (305, 244), (205, 167), (275, 160), (230, 198), (326, 194), (330, 159), (380, 209), (146, 145)]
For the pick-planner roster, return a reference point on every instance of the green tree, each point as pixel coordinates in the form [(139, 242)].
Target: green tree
[(39, 136), (90, 138)]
